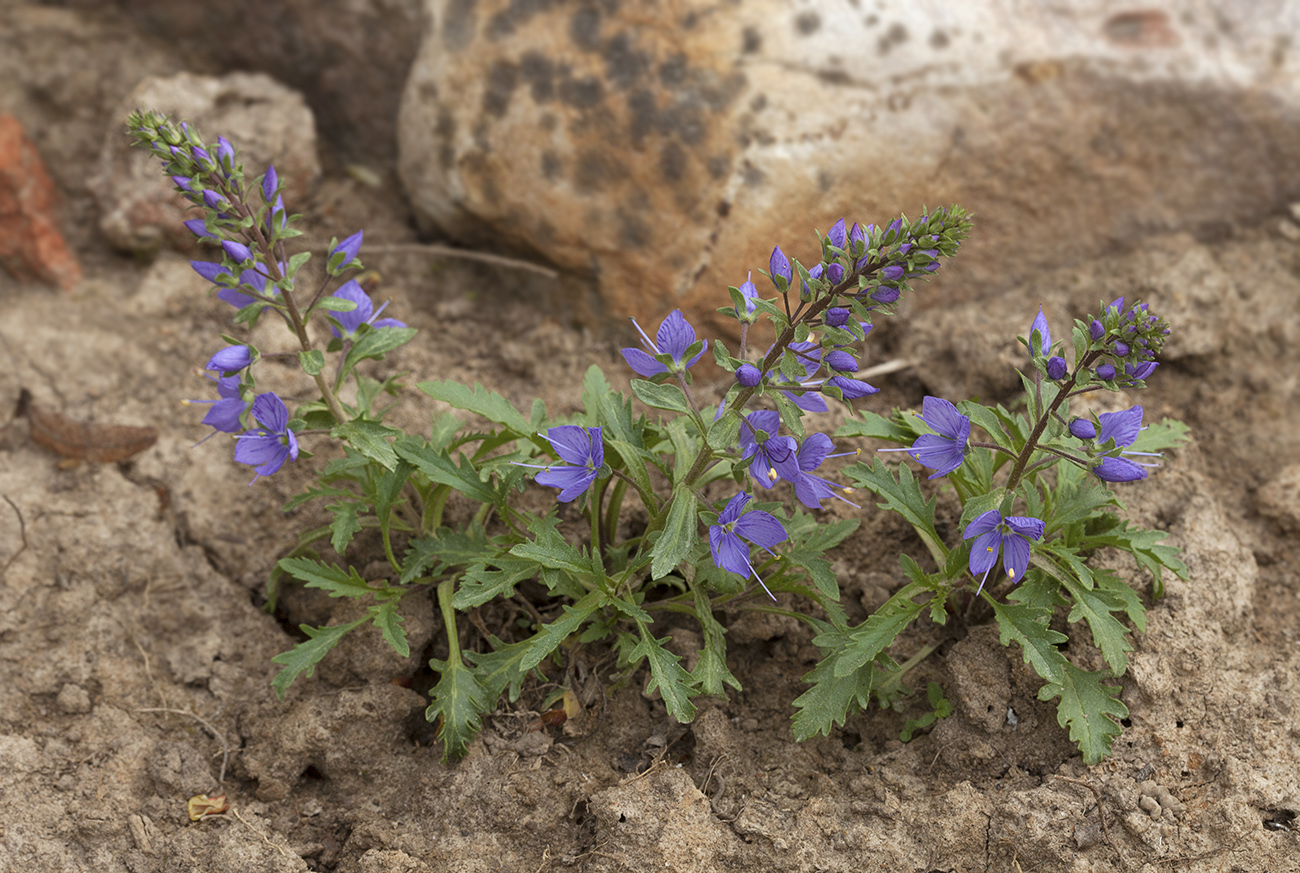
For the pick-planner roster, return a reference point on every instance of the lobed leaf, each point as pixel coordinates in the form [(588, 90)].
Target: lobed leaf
[(1090, 709), (304, 657), (479, 401), (459, 702)]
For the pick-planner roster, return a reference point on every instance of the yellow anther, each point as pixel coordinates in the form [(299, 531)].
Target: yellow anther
[(772, 474)]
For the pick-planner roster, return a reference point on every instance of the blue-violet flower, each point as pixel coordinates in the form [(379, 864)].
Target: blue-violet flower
[(1012, 535), (266, 448), (725, 538)]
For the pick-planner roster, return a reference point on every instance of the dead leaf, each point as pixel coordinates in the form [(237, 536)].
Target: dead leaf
[(201, 806), (85, 441)]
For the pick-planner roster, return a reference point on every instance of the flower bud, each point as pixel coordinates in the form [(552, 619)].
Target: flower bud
[(1083, 429), (1119, 349), (1056, 368), (748, 375), (835, 274), (779, 268), (1105, 372), (231, 359), (237, 252), (1096, 330), (212, 199), (836, 235), (892, 273), (836, 316), (885, 294), (270, 183), (841, 361)]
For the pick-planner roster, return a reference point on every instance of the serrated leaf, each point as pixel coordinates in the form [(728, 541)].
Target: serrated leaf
[(389, 623), (1168, 434), (501, 670), (876, 426), (480, 584), (439, 467), (1125, 598), (595, 390), (791, 415), (345, 525), (337, 581), (832, 698), (370, 438), (818, 568), (711, 674), (549, 548), (666, 396), (459, 702), (901, 493), (385, 490), (988, 421), (1095, 607), (679, 536), (666, 674), (304, 657), (864, 642), (552, 635), (1090, 709), (1027, 625), (479, 401)]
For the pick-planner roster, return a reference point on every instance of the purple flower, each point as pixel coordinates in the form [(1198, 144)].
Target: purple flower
[(837, 235), (1044, 334), (1122, 427), (674, 337), (225, 153), (1136, 372), (345, 252), (835, 274), (841, 361), (1096, 330), (725, 538), (365, 313), (810, 355), (885, 294), (1057, 368), (231, 359), (851, 389), (812, 490), (226, 414), (213, 200), (266, 448), (237, 252), (858, 237), (209, 270), (253, 279), (583, 449), (748, 375), (771, 457), (945, 450), (1083, 429), (836, 316), (749, 292), (1105, 372), (270, 184), (1011, 535), (779, 269), (892, 273), (197, 227)]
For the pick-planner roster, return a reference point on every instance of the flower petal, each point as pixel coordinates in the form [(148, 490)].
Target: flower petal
[(732, 511), (729, 553), (761, 528), (1123, 427), (943, 418), (1118, 470), (271, 413), (813, 451), (1015, 556), (573, 480), (982, 524), (675, 335), (642, 363)]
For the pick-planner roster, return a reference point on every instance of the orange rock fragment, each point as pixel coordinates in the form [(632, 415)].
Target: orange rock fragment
[(31, 246)]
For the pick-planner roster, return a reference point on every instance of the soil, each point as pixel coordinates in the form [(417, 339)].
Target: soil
[(136, 650)]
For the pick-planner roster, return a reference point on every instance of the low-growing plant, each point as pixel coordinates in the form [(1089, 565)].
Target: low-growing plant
[(668, 513)]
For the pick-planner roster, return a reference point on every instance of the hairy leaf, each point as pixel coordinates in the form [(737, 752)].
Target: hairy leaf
[(479, 401), (304, 657), (459, 702), (1090, 709)]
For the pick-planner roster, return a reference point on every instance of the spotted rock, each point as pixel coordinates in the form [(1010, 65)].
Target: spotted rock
[(664, 148)]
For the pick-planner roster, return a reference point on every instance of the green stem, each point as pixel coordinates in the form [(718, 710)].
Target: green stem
[(1031, 444), (447, 588)]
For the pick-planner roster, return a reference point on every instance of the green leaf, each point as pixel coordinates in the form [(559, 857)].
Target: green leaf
[(312, 361), (666, 396), (385, 490), (711, 674), (832, 698), (874, 635), (1090, 709), (814, 562), (335, 580), (791, 415), (1125, 598), (479, 401), (479, 584), (551, 549), (375, 343), (389, 623), (501, 669), (304, 657), (336, 304), (680, 534), (370, 438), (902, 495), (877, 426), (1168, 434), (551, 635), (988, 421), (1027, 625), (345, 524), (439, 467), (724, 432), (666, 674), (459, 701)]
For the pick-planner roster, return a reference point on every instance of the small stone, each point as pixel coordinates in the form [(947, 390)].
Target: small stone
[(1288, 229), (73, 700), (1150, 805)]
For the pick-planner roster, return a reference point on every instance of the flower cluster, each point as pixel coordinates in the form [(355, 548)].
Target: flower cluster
[(248, 223)]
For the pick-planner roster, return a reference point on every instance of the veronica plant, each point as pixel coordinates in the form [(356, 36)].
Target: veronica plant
[(656, 516)]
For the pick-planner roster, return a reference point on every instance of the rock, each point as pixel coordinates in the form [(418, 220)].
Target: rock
[(267, 122), (1280, 499), (72, 700), (31, 245), (664, 149)]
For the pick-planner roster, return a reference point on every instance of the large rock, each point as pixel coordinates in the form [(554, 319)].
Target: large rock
[(665, 148)]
